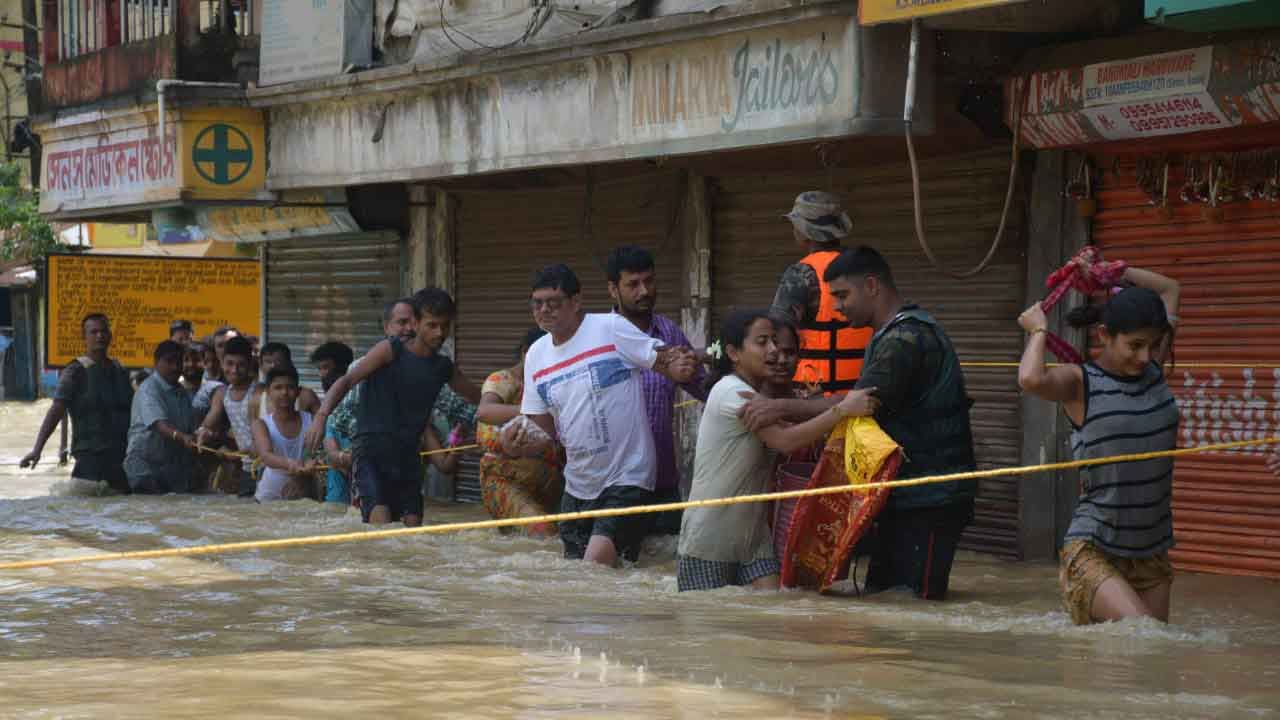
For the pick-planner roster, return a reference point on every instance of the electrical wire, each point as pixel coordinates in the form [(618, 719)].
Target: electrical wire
[(541, 12), (918, 206)]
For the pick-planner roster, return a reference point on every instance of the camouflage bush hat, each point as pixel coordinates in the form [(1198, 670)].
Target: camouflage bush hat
[(820, 216)]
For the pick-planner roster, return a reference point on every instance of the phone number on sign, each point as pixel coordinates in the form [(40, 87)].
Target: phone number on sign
[(1176, 122), (1166, 107)]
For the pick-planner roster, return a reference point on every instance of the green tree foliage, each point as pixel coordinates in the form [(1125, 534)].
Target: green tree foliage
[(24, 235)]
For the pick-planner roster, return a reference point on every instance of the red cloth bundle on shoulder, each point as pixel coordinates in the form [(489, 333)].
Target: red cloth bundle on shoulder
[(1087, 273)]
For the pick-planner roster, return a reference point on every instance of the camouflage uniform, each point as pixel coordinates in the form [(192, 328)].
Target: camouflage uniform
[(799, 293), (819, 217)]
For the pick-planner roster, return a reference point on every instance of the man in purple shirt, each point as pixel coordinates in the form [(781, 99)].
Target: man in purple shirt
[(633, 286)]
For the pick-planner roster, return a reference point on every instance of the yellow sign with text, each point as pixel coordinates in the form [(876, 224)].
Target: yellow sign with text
[(874, 12), (115, 235), (223, 152), (141, 295)]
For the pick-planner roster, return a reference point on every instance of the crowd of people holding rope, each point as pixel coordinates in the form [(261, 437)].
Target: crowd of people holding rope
[(584, 418)]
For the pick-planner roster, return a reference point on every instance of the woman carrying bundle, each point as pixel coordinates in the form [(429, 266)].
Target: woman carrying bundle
[(515, 486), (732, 545), (1115, 561)]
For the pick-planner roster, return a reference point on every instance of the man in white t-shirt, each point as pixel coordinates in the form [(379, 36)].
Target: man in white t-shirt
[(582, 386)]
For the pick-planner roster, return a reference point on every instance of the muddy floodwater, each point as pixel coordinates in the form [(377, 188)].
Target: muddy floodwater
[(479, 625)]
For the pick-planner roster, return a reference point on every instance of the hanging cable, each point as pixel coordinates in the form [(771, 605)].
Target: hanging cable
[(918, 205), (541, 13)]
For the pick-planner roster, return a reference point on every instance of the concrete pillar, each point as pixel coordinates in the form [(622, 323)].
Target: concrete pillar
[(695, 310), (442, 241), (429, 250), (1057, 232), (417, 244)]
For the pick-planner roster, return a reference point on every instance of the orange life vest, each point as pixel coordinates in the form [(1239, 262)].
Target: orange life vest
[(830, 351)]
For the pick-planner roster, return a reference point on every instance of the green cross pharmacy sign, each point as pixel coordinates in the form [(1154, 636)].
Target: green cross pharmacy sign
[(222, 154)]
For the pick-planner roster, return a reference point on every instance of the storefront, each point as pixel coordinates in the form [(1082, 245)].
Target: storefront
[(1176, 157), (503, 236), (329, 288), (324, 279), (575, 116), (667, 140)]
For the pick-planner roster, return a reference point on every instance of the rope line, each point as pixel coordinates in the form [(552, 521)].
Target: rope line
[(234, 454), (443, 528)]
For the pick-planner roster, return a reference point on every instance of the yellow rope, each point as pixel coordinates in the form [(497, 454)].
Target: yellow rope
[(616, 512), (444, 451), (232, 454)]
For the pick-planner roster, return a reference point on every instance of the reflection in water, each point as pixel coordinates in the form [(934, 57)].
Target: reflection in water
[(483, 625)]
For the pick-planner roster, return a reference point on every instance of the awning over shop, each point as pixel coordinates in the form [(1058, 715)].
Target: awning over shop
[(1191, 90), (303, 214)]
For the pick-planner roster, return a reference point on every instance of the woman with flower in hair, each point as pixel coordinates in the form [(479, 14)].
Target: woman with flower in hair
[(732, 545)]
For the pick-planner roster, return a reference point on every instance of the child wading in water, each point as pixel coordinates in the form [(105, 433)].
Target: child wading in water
[(278, 440), (732, 545), (1115, 562), (230, 410)]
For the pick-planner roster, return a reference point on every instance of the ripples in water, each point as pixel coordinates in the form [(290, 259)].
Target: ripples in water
[(478, 624)]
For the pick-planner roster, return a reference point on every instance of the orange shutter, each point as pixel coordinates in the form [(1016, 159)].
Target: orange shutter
[(1226, 505)]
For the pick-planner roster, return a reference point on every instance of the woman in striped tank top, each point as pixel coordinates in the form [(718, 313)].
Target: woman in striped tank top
[(1115, 560)]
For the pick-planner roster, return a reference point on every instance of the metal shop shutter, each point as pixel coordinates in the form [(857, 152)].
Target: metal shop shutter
[(329, 288), (963, 199), (503, 236), (1226, 506)]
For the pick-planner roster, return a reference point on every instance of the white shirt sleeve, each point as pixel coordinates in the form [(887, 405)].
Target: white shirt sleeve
[(729, 403), (636, 348), (532, 403)]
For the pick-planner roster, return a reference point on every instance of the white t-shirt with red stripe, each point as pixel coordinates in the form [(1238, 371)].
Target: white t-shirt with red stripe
[(591, 386)]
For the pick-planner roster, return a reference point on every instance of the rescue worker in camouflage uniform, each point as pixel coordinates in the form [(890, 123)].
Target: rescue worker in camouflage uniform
[(916, 376), (831, 352)]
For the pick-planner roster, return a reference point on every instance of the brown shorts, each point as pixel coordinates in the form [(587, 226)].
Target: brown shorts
[(1084, 568)]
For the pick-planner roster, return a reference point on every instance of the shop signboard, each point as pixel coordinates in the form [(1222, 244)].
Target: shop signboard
[(874, 12), (120, 162), (1180, 92), (141, 295)]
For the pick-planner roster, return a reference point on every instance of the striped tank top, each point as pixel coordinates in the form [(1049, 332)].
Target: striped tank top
[(1126, 508)]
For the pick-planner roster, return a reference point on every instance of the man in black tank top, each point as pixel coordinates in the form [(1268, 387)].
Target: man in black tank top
[(96, 391), (403, 376)]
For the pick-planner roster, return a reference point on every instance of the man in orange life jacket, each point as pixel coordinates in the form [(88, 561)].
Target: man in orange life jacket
[(830, 351)]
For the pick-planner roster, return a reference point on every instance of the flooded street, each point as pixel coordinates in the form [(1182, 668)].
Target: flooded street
[(489, 626)]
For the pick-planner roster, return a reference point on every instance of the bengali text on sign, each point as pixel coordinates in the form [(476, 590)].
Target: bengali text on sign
[(141, 296)]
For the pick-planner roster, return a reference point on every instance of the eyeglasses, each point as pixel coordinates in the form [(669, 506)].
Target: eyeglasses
[(551, 304)]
